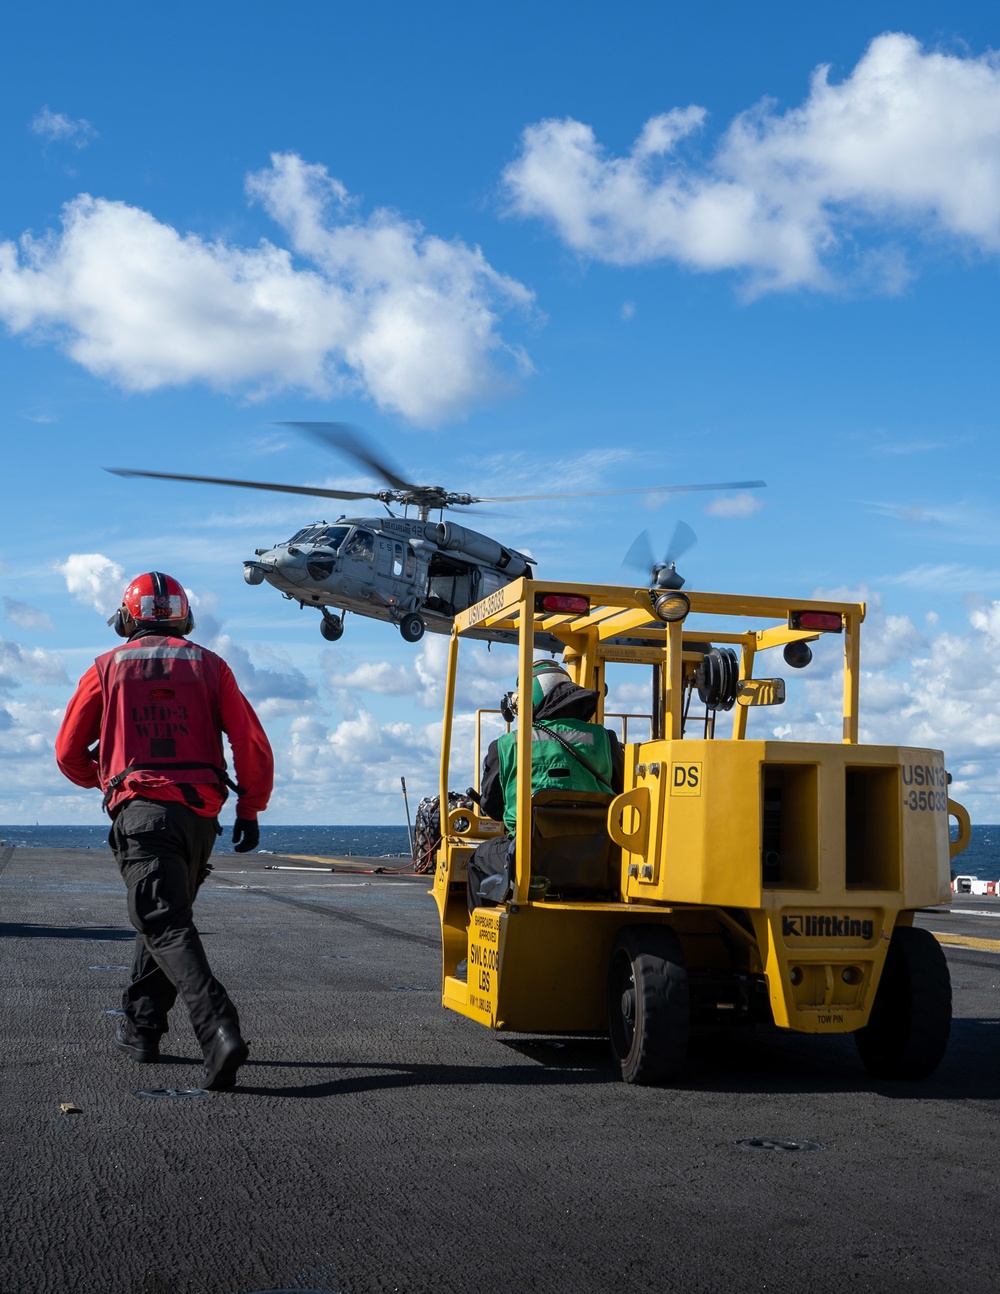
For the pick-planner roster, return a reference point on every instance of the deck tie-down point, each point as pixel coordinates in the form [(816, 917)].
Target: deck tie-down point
[(775, 1143)]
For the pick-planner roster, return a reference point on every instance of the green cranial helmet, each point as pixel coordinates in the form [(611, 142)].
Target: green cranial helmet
[(546, 677)]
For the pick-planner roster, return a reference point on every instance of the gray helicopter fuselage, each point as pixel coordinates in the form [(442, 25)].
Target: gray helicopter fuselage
[(388, 567)]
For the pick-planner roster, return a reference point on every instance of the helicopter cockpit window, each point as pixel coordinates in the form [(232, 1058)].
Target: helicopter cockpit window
[(331, 536), (361, 545)]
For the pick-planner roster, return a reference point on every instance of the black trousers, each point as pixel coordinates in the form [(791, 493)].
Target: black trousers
[(490, 872), (162, 849)]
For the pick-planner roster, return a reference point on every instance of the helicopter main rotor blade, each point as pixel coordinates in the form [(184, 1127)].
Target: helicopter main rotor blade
[(642, 489), (249, 485), (338, 435)]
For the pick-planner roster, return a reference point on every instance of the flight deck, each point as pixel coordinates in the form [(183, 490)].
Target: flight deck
[(376, 1143)]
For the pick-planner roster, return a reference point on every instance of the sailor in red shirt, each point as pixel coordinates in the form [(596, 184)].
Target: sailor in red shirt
[(157, 707)]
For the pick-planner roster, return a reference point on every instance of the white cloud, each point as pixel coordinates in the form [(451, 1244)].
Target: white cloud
[(946, 575), (734, 505), (28, 724), (94, 580), (383, 309), (26, 616), (483, 676), (267, 685), (57, 126), (358, 759), (381, 677), (903, 448), (986, 619), (938, 690), (18, 663), (908, 142)]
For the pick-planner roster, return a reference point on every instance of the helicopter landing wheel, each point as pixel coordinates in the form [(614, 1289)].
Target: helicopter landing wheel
[(412, 628), (332, 628)]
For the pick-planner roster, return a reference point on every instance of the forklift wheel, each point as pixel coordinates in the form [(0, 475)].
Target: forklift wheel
[(649, 1006), (910, 1019)]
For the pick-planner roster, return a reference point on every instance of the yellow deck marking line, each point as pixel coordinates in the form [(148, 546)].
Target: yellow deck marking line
[(351, 860), (967, 941)]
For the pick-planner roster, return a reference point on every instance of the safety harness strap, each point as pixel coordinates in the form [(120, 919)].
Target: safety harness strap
[(221, 774)]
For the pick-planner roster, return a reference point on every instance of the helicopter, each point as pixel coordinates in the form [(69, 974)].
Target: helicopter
[(413, 571)]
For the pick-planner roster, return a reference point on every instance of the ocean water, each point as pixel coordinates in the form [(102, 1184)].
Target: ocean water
[(372, 842), (982, 858)]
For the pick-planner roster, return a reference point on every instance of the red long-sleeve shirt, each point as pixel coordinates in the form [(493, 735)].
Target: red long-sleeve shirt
[(81, 729)]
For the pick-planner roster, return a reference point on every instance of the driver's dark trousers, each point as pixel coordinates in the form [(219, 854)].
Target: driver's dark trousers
[(162, 849), (490, 872)]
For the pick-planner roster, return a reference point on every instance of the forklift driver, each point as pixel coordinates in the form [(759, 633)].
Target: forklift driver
[(568, 753)]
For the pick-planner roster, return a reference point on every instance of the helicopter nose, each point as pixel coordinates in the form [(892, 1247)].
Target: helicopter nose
[(284, 565), (289, 561)]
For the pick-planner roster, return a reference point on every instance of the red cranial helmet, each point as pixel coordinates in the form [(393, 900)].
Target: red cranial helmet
[(154, 601)]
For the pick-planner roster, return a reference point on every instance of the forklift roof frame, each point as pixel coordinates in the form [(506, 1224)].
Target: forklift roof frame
[(620, 625)]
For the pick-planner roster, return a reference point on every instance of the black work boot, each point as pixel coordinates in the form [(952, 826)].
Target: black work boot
[(142, 1045), (225, 1052)]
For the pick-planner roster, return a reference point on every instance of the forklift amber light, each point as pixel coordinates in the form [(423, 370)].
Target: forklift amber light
[(672, 606), (826, 622), (562, 602)]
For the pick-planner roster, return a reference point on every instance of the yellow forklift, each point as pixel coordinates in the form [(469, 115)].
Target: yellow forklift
[(733, 879)]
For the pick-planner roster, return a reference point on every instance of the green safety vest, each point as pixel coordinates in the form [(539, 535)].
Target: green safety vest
[(553, 768)]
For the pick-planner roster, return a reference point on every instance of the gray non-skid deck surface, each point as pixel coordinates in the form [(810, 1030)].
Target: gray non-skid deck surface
[(378, 1142)]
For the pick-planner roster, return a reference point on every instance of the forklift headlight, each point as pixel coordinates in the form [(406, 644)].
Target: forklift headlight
[(671, 605)]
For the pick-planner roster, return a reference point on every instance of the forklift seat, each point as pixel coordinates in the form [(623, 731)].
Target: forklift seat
[(570, 843)]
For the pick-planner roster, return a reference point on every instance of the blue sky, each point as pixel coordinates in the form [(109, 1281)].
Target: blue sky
[(548, 246)]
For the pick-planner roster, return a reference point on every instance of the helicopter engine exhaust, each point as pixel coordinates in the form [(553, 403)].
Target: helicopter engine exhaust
[(449, 535)]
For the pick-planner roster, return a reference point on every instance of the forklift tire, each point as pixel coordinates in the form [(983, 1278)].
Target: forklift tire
[(649, 1004), (910, 1019), (411, 627)]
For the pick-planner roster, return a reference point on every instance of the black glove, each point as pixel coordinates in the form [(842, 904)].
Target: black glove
[(246, 835)]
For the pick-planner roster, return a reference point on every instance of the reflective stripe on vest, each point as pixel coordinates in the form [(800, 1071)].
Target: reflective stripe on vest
[(571, 735), (142, 652)]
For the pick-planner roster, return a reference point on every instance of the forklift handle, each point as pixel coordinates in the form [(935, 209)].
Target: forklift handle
[(961, 814), (468, 824), (636, 840)]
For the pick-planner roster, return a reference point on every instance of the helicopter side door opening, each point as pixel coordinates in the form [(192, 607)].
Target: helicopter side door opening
[(452, 585)]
